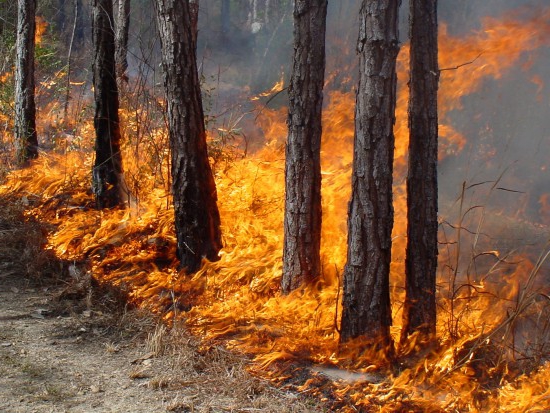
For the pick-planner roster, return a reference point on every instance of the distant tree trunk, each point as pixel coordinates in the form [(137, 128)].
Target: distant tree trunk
[(25, 109), (366, 299), (194, 16), (121, 38), (197, 218), (225, 17), (108, 184), (302, 238), (61, 16), (419, 313), (80, 25)]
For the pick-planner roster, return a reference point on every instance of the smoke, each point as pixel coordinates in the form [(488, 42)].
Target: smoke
[(245, 50)]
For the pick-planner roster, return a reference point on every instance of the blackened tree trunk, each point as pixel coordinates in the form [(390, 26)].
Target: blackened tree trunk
[(107, 183), (421, 259), (302, 223), (366, 300), (121, 38), (26, 138), (197, 218)]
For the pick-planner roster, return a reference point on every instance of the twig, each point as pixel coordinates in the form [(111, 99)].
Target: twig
[(461, 65)]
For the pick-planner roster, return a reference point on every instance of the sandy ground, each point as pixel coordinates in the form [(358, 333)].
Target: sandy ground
[(67, 347)]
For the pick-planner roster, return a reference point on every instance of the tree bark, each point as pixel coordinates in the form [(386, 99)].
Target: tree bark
[(197, 218), (419, 313), (108, 186), (366, 299), (122, 27), (302, 222), (25, 109)]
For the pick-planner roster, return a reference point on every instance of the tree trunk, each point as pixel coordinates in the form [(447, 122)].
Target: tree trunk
[(61, 17), (107, 172), (25, 109), (121, 38), (225, 18), (194, 16), (81, 24), (366, 299), (419, 313), (197, 218), (302, 240)]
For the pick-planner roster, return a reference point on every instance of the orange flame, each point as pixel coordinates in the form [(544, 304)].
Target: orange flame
[(237, 298)]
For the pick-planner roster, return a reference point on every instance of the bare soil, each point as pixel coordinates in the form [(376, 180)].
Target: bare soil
[(67, 345)]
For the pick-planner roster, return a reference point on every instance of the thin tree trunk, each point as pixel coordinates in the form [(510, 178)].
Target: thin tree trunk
[(225, 18), (61, 17), (25, 109), (366, 299), (80, 34), (197, 218), (69, 55), (419, 313), (194, 16), (302, 223), (108, 184), (121, 38)]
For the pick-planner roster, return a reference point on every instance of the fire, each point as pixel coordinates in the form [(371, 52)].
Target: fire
[(41, 26), (236, 299)]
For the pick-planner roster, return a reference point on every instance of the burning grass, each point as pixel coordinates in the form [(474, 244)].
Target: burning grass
[(493, 319)]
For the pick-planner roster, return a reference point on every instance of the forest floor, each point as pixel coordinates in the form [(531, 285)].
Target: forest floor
[(67, 345)]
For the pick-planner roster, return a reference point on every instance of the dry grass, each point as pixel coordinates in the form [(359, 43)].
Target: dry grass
[(197, 377)]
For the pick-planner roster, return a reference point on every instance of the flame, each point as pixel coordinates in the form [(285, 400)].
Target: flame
[(41, 26), (276, 88), (482, 298)]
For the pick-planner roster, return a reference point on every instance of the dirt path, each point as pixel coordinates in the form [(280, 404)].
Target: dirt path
[(66, 347), (51, 363)]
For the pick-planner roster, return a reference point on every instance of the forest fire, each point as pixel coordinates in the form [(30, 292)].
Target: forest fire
[(493, 307)]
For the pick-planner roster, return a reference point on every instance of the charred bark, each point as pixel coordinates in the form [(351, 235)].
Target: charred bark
[(108, 186), (121, 38), (366, 299), (302, 222), (197, 218), (26, 139), (419, 313)]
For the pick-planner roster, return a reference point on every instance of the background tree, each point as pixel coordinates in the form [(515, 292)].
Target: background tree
[(366, 300), (421, 260), (122, 9), (194, 16), (302, 222), (26, 139), (197, 218), (108, 184)]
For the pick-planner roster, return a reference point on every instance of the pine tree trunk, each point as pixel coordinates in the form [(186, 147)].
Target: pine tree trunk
[(366, 300), (121, 38), (197, 218), (25, 109), (108, 185), (421, 260), (302, 223)]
